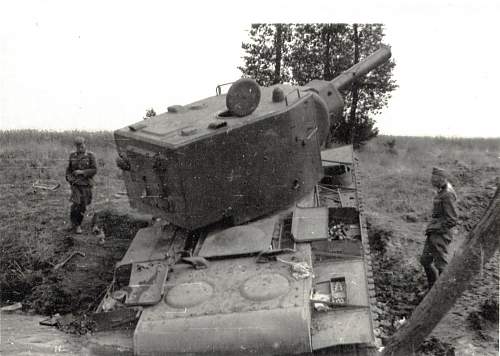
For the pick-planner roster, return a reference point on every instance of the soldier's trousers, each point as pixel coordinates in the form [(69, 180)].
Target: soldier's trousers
[(81, 196), (434, 257)]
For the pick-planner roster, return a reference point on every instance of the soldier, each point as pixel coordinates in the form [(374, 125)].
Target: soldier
[(434, 257), (81, 169)]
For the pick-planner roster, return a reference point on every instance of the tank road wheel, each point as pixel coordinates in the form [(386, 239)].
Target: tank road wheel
[(243, 97)]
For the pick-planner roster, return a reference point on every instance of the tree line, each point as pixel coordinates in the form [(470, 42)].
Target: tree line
[(298, 53)]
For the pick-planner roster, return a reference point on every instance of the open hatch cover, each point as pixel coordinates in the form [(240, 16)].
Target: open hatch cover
[(240, 240)]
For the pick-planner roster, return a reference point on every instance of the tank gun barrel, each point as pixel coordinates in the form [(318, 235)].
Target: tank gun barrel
[(361, 68), (329, 90)]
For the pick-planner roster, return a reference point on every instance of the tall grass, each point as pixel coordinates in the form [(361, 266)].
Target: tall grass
[(32, 154), (12, 138), (397, 176)]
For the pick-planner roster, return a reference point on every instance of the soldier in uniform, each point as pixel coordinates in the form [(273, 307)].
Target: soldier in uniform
[(81, 169), (434, 257)]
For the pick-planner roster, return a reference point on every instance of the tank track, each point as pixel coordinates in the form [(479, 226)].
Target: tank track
[(366, 249), (365, 350)]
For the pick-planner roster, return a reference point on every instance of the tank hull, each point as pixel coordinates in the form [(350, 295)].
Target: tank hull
[(240, 307)]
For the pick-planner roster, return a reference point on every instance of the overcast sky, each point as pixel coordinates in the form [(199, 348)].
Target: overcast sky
[(100, 65)]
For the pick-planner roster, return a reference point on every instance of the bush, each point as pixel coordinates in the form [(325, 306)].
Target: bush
[(356, 133)]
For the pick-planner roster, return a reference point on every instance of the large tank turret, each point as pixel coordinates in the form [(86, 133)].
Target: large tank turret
[(234, 156)]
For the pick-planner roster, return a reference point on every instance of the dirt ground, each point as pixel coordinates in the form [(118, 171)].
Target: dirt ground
[(34, 223), (77, 286), (34, 239), (471, 326)]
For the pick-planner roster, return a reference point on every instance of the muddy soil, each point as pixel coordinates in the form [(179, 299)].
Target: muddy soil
[(23, 335), (75, 287), (73, 291), (471, 326)]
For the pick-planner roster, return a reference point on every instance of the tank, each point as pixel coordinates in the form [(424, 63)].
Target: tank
[(260, 244)]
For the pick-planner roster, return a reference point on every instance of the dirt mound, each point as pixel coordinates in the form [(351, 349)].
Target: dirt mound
[(435, 347), (77, 286), (120, 221), (399, 287)]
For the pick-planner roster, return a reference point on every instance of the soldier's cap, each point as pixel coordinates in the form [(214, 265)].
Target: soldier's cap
[(439, 172), (79, 140)]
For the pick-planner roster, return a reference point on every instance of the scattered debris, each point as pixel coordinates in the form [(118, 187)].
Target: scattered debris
[(338, 232), (48, 185), (11, 308), (110, 303), (320, 302), (51, 321), (67, 259), (73, 324), (300, 270), (343, 231)]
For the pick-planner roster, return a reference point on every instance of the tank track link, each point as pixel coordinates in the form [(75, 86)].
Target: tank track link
[(366, 249)]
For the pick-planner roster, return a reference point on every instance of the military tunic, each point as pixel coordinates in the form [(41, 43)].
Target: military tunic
[(81, 184), (444, 217)]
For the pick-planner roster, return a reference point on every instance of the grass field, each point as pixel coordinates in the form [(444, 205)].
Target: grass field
[(397, 193), (398, 177), (398, 196)]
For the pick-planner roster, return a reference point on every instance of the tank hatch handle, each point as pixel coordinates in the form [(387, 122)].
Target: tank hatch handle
[(218, 88)]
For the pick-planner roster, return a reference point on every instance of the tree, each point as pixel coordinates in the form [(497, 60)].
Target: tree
[(265, 53), (368, 96), (318, 51), (323, 51)]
